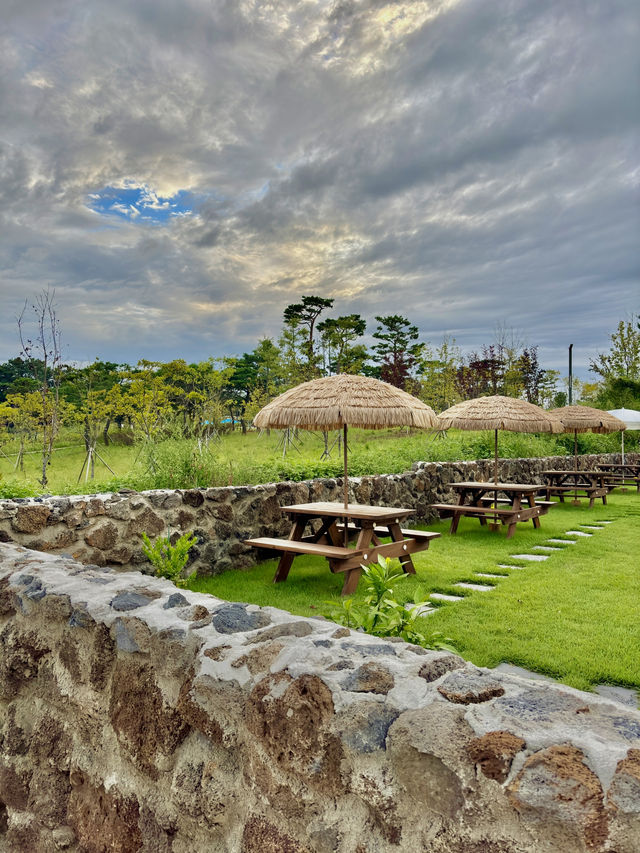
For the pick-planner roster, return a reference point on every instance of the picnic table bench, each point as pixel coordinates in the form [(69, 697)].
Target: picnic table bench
[(589, 484), (498, 502), (367, 525)]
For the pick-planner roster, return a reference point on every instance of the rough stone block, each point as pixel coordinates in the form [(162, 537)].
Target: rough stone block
[(103, 537), (494, 753), (103, 821), (146, 727), (261, 836), (555, 786), (291, 719), (31, 518)]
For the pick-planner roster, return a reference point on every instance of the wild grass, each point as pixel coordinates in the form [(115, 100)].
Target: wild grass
[(258, 458), (573, 616)]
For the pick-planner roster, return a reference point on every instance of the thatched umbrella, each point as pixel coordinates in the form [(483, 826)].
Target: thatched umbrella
[(577, 419), (497, 413), (337, 401)]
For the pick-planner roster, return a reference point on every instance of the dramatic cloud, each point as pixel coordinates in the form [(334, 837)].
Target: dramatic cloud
[(181, 170)]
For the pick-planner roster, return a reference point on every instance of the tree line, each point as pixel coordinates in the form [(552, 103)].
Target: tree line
[(39, 392)]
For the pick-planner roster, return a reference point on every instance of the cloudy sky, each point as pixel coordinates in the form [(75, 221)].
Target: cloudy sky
[(181, 170)]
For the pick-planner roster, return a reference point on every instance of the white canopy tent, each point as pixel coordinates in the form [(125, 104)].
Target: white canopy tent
[(630, 417)]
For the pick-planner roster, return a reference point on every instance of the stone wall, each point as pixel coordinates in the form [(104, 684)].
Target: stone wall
[(105, 529), (134, 717)]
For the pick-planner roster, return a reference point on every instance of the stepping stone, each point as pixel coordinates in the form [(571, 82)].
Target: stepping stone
[(598, 521), (479, 587), (578, 533), (488, 575), (590, 527), (441, 596), (545, 548), (563, 541), (506, 566), (423, 608), (531, 557)]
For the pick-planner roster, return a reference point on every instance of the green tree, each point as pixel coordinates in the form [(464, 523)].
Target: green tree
[(623, 359), (438, 371), (306, 314), (293, 360), (338, 339), (17, 377), (186, 393), (43, 352), (531, 374), (398, 354), (240, 385), (146, 399)]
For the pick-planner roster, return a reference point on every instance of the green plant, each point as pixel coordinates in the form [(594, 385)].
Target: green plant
[(12, 488), (169, 559), (381, 614)]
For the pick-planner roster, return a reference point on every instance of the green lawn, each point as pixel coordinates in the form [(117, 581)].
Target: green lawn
[(574, 616)]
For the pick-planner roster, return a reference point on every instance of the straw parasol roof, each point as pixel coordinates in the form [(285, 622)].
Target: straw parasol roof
[(496, 413), (587, 419), (334, 401), (341, 400), (577, 419), (499, 412)]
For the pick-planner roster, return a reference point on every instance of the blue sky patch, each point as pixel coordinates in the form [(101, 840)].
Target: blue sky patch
[(139, 203)]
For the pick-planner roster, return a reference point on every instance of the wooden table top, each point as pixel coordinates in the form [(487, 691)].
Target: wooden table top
[(577, 471), (605, 465), (337, 510), (501, 487)]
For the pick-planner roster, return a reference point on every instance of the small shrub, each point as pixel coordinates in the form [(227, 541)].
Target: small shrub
[(12, 488), (381, 614), (169, 560)]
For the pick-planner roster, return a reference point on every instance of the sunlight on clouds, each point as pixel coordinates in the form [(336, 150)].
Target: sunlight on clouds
[(37, 80), (383, 30)]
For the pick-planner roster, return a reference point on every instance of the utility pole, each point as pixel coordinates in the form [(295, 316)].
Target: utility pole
[(570, 373)]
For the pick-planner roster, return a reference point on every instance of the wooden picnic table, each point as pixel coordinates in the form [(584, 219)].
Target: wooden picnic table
[(622, 473), (590, 484), (335, 527), (508, 503)]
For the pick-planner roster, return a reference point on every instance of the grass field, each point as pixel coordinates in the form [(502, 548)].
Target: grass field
[(573, 617), (258, 458)]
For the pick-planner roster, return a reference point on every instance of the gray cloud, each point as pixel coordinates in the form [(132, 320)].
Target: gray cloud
[(465, 163)]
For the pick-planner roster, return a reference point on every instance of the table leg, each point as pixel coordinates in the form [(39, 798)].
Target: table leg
[(284, 564), (351, 579), (455, 519), (531, 499), (405, 560)]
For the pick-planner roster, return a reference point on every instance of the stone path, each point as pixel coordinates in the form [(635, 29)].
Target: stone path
[(533, 558), (618, 694), (528, 557)]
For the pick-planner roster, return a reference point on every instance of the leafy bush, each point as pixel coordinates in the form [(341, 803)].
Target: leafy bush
[(381, 614), (169, 559), (12, 488)]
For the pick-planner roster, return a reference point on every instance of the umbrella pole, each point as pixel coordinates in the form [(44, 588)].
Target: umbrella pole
[(345, 484), (575, 501), (622, 435), (494, 526)]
